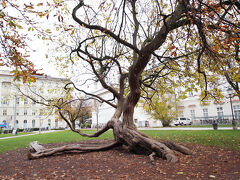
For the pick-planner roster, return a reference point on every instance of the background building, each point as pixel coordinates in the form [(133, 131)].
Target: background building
[(189, 108), (205, 114), (20, 112)]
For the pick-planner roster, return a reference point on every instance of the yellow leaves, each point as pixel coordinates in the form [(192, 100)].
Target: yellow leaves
[(48, 31), (4, 3), (236, 77), (58, 1), (32, 79), (41, 14)]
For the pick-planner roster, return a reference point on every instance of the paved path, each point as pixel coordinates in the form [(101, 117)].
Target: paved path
[(187, 128), (33, 133)]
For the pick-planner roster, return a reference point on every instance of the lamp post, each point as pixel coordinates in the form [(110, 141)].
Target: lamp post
[(15, 116), (230, 93)]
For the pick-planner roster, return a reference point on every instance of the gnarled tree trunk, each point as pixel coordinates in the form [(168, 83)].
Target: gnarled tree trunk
[(125, 132)]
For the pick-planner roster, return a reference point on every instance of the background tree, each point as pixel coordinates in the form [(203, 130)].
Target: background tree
[(163, 109), (77, 112)]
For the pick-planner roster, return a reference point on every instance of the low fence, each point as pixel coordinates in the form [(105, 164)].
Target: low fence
[(204, 121)]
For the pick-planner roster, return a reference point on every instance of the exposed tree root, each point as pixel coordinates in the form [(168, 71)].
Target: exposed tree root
[(136, 142), (37, 150)]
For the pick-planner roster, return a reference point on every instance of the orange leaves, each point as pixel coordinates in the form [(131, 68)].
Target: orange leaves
[(172, 47)]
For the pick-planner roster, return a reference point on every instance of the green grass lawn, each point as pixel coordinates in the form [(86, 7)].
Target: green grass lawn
[(205, 126), (227, 139)]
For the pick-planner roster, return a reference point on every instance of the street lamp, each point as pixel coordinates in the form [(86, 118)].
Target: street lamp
[(230, 93)]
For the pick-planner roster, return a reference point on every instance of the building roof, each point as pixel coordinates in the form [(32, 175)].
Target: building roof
[(47, 77)]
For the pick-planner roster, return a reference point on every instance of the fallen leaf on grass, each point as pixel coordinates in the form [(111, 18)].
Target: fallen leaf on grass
[(212, 176)]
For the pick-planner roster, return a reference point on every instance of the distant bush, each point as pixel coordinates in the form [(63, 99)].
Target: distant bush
[(60, 128), (86, 125), (35, 129)]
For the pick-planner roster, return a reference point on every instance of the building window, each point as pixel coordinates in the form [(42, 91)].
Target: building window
[(192, 113), (181, 114), (56, 123), (6, 84), (41, 112), (236, 111), (18, 101), (17, 112), (33, 123), (4, 112), (49, 123), (220, 112), (33, 112), (25, 124), (25, 101), (16, 123), (4, 100), (25, 112), (205, 113), (136, 121)]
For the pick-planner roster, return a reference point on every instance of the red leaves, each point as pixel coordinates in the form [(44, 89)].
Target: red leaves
[(174, 53)]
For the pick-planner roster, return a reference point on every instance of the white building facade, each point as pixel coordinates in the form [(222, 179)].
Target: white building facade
[(206, 114), (189, 108), (21, 112)]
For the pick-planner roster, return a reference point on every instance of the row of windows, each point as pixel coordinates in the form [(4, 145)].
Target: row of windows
[(18, 100), (25, 122), (6, 84), (25, 112), (33, 122), (220, 114)]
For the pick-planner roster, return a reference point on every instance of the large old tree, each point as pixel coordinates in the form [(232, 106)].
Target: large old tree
[(129, 45)]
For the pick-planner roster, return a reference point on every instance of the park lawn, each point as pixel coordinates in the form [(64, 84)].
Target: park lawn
[(203, 126), (227, 139)]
